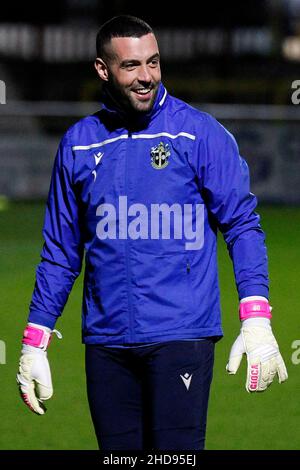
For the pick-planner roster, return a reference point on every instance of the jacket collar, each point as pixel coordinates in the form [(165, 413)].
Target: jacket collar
[(138, 121)]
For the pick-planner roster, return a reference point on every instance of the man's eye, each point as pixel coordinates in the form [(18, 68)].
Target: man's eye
[(154, 63), (130, 66)]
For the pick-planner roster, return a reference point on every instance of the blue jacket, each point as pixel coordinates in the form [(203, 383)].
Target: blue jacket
[(143, 202)]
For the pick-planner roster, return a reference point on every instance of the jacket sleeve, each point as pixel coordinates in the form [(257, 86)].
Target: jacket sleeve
[(225, 185), (62, 253)]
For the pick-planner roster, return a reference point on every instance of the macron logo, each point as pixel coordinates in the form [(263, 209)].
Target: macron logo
[(98, 157), (186, 378)]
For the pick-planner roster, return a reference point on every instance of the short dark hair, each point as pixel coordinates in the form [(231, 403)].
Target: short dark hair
[(122, 26)]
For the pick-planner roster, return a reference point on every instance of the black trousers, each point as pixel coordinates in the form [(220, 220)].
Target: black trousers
[(151, 397)]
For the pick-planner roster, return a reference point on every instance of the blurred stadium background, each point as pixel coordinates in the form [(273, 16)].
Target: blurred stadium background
[(235, 60)]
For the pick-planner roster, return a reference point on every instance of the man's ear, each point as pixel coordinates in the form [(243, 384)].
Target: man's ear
[(101, 69)]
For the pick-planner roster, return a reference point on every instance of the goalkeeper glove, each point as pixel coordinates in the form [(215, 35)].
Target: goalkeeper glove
[(257, 341), (34, 377)]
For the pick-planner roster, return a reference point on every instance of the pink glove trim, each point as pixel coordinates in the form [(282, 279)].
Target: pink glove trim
[(36, 337), (255, 308), (26, 400)]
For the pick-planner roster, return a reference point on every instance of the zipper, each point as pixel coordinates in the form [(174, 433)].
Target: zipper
[(188, 267), (128, 275), (189, 292)]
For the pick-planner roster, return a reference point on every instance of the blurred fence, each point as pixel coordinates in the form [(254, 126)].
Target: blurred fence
[(268, 138)]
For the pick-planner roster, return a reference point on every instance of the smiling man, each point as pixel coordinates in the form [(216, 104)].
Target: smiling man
[(132, 185), (130, 68)]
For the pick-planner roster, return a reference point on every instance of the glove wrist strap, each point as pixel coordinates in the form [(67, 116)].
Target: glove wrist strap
[(36, 337), (255, 308)]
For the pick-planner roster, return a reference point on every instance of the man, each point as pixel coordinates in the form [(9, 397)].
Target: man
[(142, 187)]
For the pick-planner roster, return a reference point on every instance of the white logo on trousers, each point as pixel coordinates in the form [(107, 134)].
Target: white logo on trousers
[(187, 379)]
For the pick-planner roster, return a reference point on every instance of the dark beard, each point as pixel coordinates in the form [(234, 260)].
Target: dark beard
[(126, 107), (131, 118)]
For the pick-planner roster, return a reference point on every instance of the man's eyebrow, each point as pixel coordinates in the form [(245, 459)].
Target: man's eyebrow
[(154, 56), (129, 61), (136, 61)]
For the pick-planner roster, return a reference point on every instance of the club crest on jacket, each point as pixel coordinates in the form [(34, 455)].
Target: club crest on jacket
[(160, 155)]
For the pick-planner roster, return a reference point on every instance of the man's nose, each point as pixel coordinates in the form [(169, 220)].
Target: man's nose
[(144, 74)]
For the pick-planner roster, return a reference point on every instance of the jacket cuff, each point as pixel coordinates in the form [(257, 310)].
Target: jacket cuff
[(42, 318), (248, 291)]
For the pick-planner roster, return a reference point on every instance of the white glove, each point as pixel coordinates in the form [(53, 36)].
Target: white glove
[(34, 377), (257, 341)]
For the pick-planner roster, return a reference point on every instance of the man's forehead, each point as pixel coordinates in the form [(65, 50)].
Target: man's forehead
[(125, 48)]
